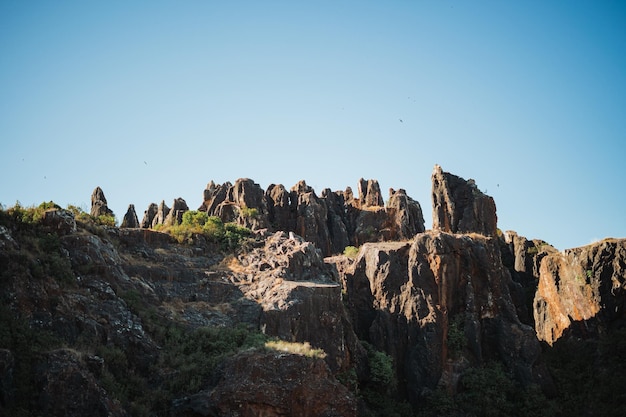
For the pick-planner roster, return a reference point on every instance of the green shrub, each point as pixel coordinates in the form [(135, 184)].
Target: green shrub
[(247, 212), (351, 252), (456, 335)]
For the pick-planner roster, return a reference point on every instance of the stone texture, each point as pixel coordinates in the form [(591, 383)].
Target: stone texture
[(300, 297), (59, 220), (272, 384), (460, 207), (403, 297), (99, 204), (581, 291), (162, 212), (130, 219), (405, 214), (149, 215), (175, 215), (67, 388)]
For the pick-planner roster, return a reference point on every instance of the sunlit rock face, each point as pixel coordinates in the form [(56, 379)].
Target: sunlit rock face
[(410, 299), (581, 290), (460, 207)]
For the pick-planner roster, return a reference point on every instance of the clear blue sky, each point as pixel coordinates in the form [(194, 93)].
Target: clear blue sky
[(152, 100)]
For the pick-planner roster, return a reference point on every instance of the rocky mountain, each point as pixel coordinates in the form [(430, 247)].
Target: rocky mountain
[(248, 306)]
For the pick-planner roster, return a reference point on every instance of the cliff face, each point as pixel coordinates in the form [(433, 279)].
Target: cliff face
[(438, 305), (581, 291), (106, 321)]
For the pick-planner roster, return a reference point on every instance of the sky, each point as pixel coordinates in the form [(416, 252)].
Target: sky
[(152, 100)]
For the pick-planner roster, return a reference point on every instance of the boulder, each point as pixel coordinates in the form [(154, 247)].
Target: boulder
[(99, 204), (460, 207), (130, 218)]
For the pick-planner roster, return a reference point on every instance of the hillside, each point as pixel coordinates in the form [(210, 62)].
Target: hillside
[(286, 303)]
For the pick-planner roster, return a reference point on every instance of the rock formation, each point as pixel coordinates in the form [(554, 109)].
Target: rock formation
[(331, 221), (272, 384), (581, 291), (300, 297), (130, 219), (148, 216), (161, 214), (406, 297), (99, 204), (61, 221), (460, 207), (175, 215)]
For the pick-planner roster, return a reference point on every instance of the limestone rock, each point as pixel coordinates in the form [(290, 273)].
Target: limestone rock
[(130, 219), (99, 204), (272, 384), (581, 291), (460, 207)]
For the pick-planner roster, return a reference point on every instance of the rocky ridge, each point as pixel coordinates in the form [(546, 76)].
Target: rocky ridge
[(142, 325)]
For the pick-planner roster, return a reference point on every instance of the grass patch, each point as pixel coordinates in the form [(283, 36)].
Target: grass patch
[(303, 349)]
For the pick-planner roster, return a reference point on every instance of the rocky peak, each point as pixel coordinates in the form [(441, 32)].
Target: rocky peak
[(369, 194), (175, 215), (460, 207), (99, 204), (130, 218)]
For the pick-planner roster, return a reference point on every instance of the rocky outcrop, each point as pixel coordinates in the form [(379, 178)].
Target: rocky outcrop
[(300, 297), (162, 212), (175, 215), (68, 388), (99, 204), (411, 299), (405, 214), (61, 221), (272, 384), (460, 207), (331, 221), (130, 219), (581, 291), (522, 257), (149, 215), (369, 194)]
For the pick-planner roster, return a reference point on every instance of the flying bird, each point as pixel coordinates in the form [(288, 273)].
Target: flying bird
[(401, 121)]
